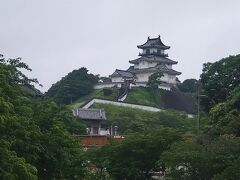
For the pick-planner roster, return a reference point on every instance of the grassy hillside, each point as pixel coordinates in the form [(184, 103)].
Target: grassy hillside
[(97, 93), (144, 96), (134, 120)]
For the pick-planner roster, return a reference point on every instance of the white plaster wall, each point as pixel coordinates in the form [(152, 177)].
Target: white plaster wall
[(117, 79), (164, 87), (144, 64), (152, 64), (140, 84), (172, 79), (143, 77), (169, 78), (101, 86)]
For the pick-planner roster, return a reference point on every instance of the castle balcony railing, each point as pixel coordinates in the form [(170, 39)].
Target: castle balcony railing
[(154, 53)]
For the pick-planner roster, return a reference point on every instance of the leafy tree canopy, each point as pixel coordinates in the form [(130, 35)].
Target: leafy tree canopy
[(154, 80), (76, 84), (188, 86), (137, 156), (224, 117), (35, 140), (219, 79), (204, 161)]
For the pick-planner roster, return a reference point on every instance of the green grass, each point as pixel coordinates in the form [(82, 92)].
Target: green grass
[(144, 96), (131, 120), (140, 95), (97, 93)]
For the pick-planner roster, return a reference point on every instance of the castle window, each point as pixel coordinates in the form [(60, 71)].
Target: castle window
[(148, 51)]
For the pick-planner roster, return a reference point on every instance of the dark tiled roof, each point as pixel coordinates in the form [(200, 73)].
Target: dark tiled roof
[(91, 114), (122, 73), (153, 42), (152, 58), (160, 67)]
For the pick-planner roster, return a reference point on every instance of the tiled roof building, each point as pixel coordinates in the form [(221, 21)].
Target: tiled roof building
[(92, 116), (152, 59)]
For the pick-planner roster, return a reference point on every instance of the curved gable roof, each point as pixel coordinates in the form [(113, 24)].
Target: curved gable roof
[(152, 58), (153, 42)]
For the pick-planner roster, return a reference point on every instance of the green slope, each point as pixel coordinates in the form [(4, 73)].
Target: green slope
[(140, 95), (134, 120), (97, 93), (144, 96)]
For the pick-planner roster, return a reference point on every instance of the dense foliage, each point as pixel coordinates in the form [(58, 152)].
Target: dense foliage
[(35, 134), (36, 141), (188, 86), (76, 84), (212, 154), (155, 80), (207, 160), (137, 156), (131, 120), (219, 79)]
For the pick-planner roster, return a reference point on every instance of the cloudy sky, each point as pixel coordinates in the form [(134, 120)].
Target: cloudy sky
[(56, 36)]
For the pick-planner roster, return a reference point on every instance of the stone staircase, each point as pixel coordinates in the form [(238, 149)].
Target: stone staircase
[(123, 91)]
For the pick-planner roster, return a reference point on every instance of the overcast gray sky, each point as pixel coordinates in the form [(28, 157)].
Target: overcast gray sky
[(56, 36)]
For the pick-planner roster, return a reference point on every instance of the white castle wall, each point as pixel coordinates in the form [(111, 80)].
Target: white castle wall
[(101, 101), (144, 64), (107, 85), (143, 77), (117, 79)]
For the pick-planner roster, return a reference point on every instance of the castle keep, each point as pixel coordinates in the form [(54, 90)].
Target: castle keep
[(152, 59)]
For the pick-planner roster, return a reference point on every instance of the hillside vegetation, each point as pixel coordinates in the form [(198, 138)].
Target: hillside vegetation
[(35, 134), (131, 120), (73, 86), (144, 96), (158, 147), (36, 139), (97, 93), (175, 99)]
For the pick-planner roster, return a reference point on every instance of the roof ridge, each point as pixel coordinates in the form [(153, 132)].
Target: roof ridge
[(121, 70)]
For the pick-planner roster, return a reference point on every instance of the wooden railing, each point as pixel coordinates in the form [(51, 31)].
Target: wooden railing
[(89, 141)]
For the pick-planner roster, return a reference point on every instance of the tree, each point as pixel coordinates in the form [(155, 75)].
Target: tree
[(224, 117), (35, 140), (154, 80), (73, 86), (137, 156), (12, 166), (191, 160), (219, 79), (188, 86), (131, 120)]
